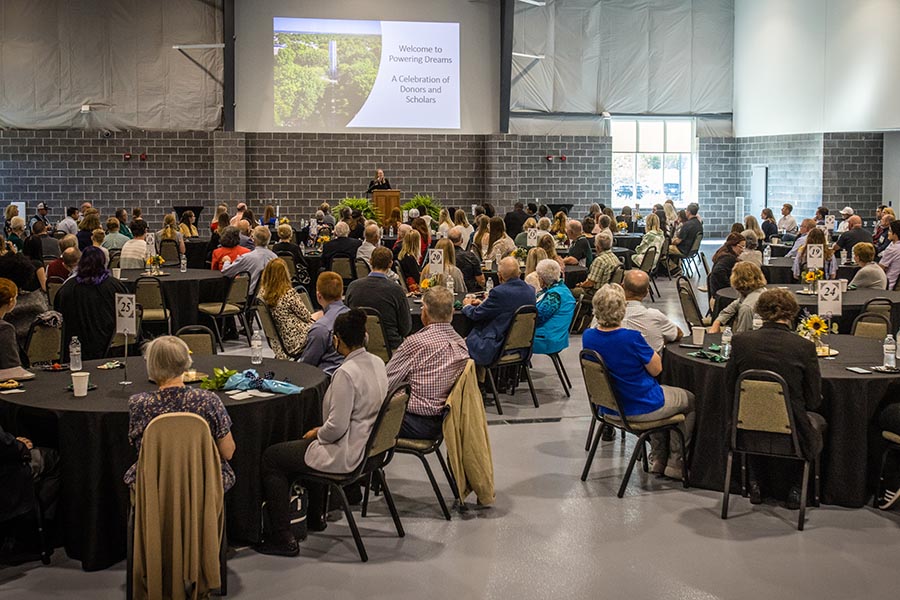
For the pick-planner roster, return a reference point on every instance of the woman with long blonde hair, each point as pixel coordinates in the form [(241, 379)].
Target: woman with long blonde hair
[(444, 223), (450, 268), (559, 223), (462, 221), (752, 224), (535, 255), (549, 246), (288, 311), (499, 243), (170, 232), (221, 209), (480, 241), (410, 254)]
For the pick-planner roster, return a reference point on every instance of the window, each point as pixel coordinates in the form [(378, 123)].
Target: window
[(653, 161)]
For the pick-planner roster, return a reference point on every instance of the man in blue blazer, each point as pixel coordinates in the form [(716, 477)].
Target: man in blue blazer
[(493, 316)]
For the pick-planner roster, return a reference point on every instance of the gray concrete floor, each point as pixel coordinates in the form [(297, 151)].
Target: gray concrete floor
[(550, 535)]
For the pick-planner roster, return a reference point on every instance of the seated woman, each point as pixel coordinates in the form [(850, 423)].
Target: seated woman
[(187, 227), (268, 219), (86, 227), (170, 232), (409, 257), (230, 240), (535, 255), (450, 268), (555, 307), (351, 405), (769, 224), (393, 222), (750, 283), (87, 303), (870, 276), (750, 223), (480, 237), (9, 346), (30, 279), (723, 262), (560, 220), (421, 225), (522, 238), (777, 348), (290, 315), (445, 224), (286, 244), (816, 237), (216, 237), (633, 366), (882, 237), (750, 253), (548, 244), (167, 359), (653, 238)]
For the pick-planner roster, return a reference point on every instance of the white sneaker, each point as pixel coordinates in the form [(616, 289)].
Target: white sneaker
[(890, 497)]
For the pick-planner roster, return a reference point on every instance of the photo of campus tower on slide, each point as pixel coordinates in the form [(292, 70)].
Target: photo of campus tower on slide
[(324, 70)]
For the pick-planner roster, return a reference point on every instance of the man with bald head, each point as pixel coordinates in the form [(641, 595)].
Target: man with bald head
[(492, 317), (580, 251), (854, 234), (371, 240), (806, 225), (654, 326)]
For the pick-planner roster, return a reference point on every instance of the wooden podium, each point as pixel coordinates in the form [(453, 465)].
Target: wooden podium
[(385, 201)]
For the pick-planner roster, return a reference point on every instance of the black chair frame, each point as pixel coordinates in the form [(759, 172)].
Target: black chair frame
[(522, 363), (422, 455)]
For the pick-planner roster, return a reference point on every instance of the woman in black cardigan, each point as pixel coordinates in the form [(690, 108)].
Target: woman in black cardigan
[(723, 262)]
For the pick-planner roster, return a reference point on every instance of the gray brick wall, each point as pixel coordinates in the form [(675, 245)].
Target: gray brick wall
[(852, 171), (717, 178), (229, 166)]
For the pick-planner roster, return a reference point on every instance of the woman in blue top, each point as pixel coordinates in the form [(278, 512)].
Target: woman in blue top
[(555, 307), (632, 366)]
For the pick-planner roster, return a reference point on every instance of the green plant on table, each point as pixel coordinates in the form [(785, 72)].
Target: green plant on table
[(218, 379)]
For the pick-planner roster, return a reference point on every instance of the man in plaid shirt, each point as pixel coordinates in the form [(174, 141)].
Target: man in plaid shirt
[(431, 360), (603, 267)]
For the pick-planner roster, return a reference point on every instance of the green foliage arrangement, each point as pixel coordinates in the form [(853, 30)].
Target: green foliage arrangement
[(424, 200), (218, 379), (362, 205)]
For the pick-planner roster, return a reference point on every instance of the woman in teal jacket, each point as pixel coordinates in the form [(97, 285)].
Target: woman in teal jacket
[(555, 307)]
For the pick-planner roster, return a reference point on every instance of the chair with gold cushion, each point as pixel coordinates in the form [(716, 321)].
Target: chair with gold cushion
[(53, 285), (379, 451), (601, 396), (200, 340), (892, 441), (148, 293), (168, 249), (43, 343), (304, 298), (377, 337), (362, 268), (516, 351), (689, 307), (343, 266), (762, 412), (882, 306), (233, 304), (871, 325)]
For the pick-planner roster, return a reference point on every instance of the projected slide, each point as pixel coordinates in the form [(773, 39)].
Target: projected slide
[(333, 74)]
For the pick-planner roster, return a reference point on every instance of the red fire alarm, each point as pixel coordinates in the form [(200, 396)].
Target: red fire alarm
[(562, 158), (143, 156), (127, 156), (549, 158)]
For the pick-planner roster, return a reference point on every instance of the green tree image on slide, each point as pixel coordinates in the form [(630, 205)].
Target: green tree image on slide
[(307, 94)]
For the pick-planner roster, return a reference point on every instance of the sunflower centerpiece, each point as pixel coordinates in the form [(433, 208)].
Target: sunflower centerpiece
[(621, 226), (322, 240), (155, 262), (560, 240), (816, 329), (520, 254), (810, 277)]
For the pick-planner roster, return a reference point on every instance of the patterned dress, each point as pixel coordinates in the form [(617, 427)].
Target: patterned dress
[(146, 406), (293, 321)]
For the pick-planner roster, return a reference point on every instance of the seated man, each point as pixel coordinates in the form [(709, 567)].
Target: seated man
[(493, 316), (319, 350), (656, 327), (580, 251), (135, 251), (63, 266), (254, 261), (603, 267), (340, 246), (466, 261), (805, 226), (379, 292), (371, 240), (244, 228), (854, 234), (682, 244), (431, 360), (114, 240)]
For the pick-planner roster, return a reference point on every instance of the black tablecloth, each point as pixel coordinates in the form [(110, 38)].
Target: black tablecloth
[(778, 271), (183, 291), (854, 300), (627, 240), (461, 323), (195, 250), (92, 437), (850, 458), (574, 274), (779, 250)]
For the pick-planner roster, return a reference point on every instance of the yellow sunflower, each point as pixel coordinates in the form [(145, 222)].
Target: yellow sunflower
[(425, 284), (810, 277), (817, 325)]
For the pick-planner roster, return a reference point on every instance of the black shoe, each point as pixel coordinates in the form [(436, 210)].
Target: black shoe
[(793, 499), (609, 434), (315, 525), (755, 493), (272, 548)]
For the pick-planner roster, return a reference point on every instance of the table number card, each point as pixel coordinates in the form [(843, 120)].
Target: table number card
[(125, 314), (830, 298), (532, 238), (436, 259), (815, 256), (829, 222), (405, 216)]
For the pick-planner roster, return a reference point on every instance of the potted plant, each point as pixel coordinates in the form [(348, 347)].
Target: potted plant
[(369, 212), (420, 201)]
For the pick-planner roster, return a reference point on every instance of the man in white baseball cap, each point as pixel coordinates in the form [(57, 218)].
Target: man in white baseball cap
[(846, 213), (40, 215)]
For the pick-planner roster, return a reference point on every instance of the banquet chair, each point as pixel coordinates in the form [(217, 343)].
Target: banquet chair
[(43, 343), (115, 256), (200, 340), (59, 234), (880, 305), (118, 341), (49, 258), (288, 259), (194, 443), (516, 351), (689, 307), (421, 449), (168, 249), (689, 262), (231, 305), (647, 267), (53, 285), (617, 276), (148, 293), (871, 325), (379, 451), (343, 267), (377, 336), (304, 298), (762, 412), (601, 395), (893, 445), (362, 268), (270, 328)]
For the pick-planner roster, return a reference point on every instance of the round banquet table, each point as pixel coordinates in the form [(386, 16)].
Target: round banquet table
[(91, 434), (624, 255), (313, 262), (779, 250), (461, 323), (627, 240), (195, 250), (183, 291), (574, 274), (853, 302), (779, 271), (851, 456)]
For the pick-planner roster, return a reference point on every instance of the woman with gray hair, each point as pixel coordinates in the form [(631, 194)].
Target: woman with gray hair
[(230, 248), (632, 366), (751, 254), (167, 359), (555, 307)]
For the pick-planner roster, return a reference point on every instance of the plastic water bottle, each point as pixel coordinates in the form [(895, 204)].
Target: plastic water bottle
[(890, 352), (183, 263), (391, 231), (450, 284), (726, 342), (256, 349), (488, 285), (75, 354), (767, 255)]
